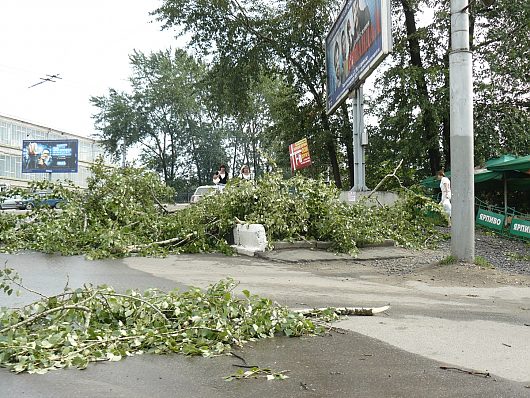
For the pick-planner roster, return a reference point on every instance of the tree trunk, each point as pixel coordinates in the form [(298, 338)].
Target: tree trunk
[(236, 143), (332, 150), (446, 120), (347, 140), (197, 162), (430, 128)]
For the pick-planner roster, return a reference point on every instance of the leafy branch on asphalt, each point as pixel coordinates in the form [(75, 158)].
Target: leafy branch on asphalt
[(256, 372), (95, 323)]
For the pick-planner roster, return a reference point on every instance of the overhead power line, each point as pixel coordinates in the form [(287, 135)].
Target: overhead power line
[(49, 78)]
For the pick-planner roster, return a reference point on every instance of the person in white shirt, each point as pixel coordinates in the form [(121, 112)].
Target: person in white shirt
[(445, 187), (245, 173)]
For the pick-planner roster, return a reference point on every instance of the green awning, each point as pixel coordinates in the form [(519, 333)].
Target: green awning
[(480, 176), (483, 175), (519, 164), (500, 160), (516, 170)]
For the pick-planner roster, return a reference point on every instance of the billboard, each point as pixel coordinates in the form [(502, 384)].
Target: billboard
[(49, 156), (359, 40), (299, 154)]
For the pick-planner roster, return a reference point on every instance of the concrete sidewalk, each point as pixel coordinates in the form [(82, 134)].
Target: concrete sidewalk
[(301, 255)]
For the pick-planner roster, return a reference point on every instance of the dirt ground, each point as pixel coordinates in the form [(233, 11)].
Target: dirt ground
[(428, 266), (465, 274), (502, 261)]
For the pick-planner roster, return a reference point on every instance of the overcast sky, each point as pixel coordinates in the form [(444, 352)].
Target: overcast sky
[(86, 42)]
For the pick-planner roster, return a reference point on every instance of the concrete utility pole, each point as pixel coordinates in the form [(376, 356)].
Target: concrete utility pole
[(461, 113)]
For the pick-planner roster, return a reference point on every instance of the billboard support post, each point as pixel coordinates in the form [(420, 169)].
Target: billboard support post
[(461, 115), (359, 141)]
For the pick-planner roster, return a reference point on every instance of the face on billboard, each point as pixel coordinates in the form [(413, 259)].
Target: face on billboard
[(361, 17), (336, 58), (349, 34), (48, 156), (44, 159)]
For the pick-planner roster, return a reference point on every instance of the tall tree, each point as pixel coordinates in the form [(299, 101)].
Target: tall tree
[(165, 115), (501, 49), (279, 37), (428, 116), (412, 102)]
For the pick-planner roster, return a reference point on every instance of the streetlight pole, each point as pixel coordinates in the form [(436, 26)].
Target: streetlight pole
[(360, 141), (461, 113)]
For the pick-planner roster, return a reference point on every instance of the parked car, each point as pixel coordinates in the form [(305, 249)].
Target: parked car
[(202, 191), (15, 202), (42, 199)]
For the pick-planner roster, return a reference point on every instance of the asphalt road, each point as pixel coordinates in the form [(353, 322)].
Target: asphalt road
[(397, 354)]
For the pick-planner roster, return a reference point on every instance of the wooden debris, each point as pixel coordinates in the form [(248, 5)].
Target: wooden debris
[(471, 372), (348, 311)]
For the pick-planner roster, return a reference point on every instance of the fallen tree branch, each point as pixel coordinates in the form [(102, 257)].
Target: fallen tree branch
[(9, 278), (78, 306), (360, 311), (114, 339), (160, 205), (393, 174), (471, 372), (137, 299), (43, 314), (179, 241)]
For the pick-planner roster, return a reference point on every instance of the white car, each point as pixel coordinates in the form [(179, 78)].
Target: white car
[(202, 191), (15, 202)]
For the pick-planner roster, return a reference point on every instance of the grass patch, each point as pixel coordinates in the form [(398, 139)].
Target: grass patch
[(482, 262), (449, 260), (519, 256)]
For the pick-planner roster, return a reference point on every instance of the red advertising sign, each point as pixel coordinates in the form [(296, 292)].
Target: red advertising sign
[(299, 154)]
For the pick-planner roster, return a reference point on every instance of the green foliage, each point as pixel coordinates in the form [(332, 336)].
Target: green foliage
[(116, 211), (502, 101), (449, 260), (8, 278), (252, 43), (519, 256), (165, 114), (303, 208), (482, 262), (118, 215), (499, 42), (409, 222), (256, 372), (8, 222), (93, 324)]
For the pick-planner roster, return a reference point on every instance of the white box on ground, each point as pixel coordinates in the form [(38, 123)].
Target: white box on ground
[(250, 238)]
